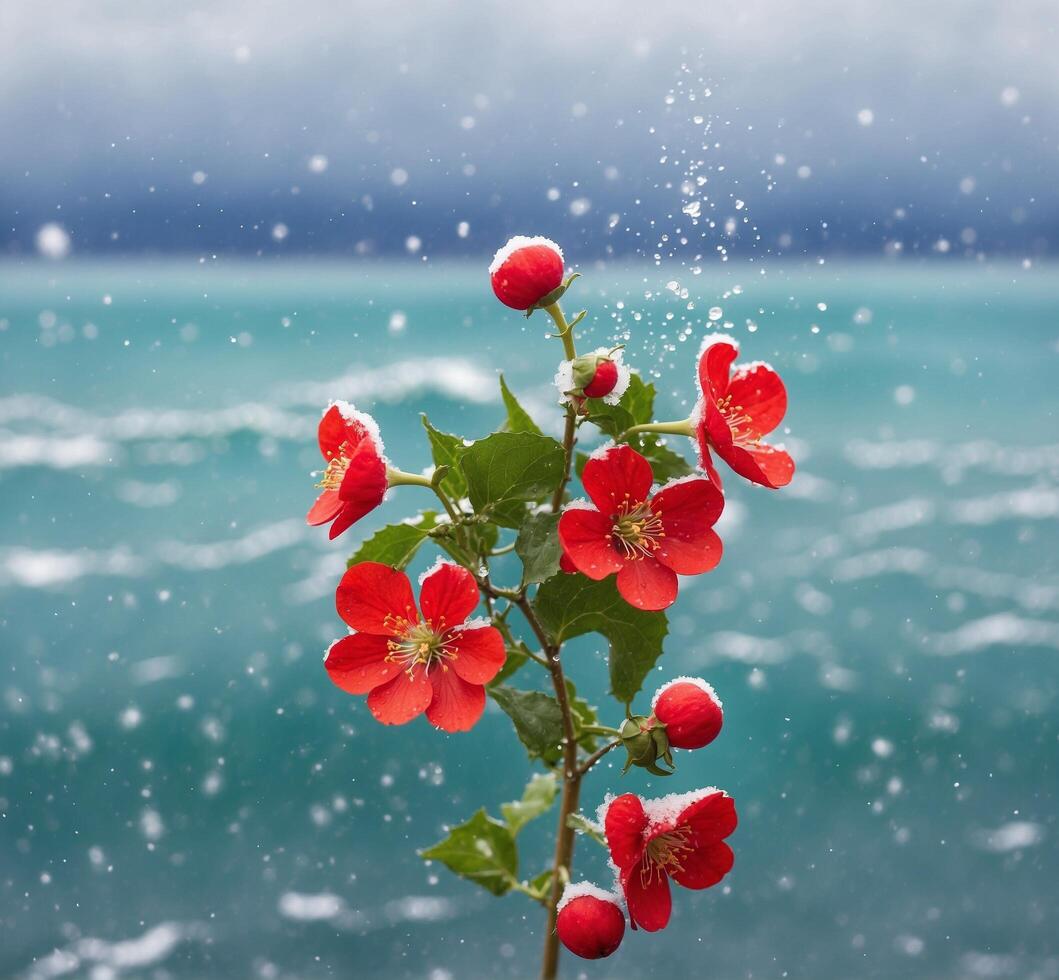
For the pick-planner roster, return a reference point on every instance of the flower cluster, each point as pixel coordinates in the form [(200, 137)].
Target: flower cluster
[(609, 562)]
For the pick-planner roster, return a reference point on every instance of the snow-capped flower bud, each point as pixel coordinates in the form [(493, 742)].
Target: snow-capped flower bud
[(600, 374), (690, 711), (526, 272), (591, 923)]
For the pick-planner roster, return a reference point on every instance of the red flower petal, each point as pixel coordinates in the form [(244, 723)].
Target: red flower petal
[(448, 596), (688, 511), (705, 866), (711, 818), (585, 539), (334, 430), (702, 439), (348, 516), (647, 584), (567, 566), (760, 463), (456, 705), (479, 653), (374, 598), (400, 700), (648, 898), (757, 390), (358, 663), (620, 475), (623, 825), (365, 477), (326, 508), (715, 363)]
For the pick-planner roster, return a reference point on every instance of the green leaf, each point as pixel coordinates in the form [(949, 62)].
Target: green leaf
[(538, 721), (578, 821), (665, 463), (584, 714), (572, 605), (517, 655), (537, 799), (580, 459), (518, 419), (537, 545), (635, 408), (481, 850), (507, 468), (540, 887), (395, 544), (447, 450)]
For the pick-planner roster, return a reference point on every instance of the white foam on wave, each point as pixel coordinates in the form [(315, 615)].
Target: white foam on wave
[(1003, 629)]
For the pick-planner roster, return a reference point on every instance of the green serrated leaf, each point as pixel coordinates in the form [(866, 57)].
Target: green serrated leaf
[(516, 656), (447, 450), (538, 721), (395, 544), (518, 419), (578, 821), (537, 545), (584, 714), (571, 605), (508, 468), (537, 799), (635, 408), (665, 463), (482, 850)]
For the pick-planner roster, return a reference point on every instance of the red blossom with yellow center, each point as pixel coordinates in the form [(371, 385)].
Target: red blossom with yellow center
[(646, 540), (738, 407), (354, 481), (409, 664), (679, 837)]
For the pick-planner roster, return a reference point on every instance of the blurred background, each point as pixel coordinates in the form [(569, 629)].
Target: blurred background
[(214, 218)]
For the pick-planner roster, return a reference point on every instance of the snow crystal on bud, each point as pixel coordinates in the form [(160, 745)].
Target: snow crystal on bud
[(624, 379), (564, 380), (583, 888), (439, 563), (520, 241), (351, 414), (696, 681), (666, 809)]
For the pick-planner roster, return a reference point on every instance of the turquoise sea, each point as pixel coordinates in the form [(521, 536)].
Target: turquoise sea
[(183, 794)]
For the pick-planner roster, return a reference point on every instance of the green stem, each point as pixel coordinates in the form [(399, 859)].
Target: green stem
[(682, 428), (398, 478), (599, 730), (566, 332)]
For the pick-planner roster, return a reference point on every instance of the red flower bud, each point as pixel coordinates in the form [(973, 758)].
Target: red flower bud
[(690, 710), (591, 923), (604, 380), (525, 271)]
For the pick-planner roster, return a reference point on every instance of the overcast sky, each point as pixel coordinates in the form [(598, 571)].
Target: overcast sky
[(172, 124)]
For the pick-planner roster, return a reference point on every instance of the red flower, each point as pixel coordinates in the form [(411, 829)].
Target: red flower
[(737, 409), (690, 710), (590, 923), (604, 380), (525, 271), (678, 837), (407, 665), (646, 540), (354, 481)]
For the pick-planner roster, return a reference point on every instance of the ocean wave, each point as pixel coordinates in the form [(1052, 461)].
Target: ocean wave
[(954, 459), (112, 959), (1003, 629), (76, 437)]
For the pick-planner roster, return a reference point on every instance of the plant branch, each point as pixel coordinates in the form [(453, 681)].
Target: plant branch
[(597, 755)]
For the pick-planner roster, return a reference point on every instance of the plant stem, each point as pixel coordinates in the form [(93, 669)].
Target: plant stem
[(681, 428), (566, 335)]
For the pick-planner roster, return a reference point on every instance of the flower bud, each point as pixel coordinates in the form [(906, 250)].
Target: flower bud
[(690, 711), (645, 742), (603, 380), (526, 271), (591, 923)]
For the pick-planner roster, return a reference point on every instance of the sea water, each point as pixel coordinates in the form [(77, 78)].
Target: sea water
[(184, 794)]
